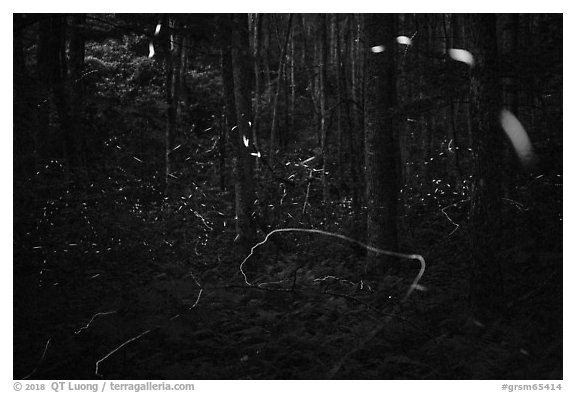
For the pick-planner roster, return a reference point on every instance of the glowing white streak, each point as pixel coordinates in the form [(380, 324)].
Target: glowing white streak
[(117, 349), (40, 361), (518, 136), (92, 320), (412, 287), (403, 40), (462, 55)]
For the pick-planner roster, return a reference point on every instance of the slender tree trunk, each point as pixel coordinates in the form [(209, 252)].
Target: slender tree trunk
[(45, 66), (341, 99), (256, 34), (453, 110), (309, 62), (230, 123), (322, 66), (244, 181), (356, 145), (428, 141), (170, 84), (349, 134), (223, 127), (266, 56), (292, 82), (359, 106), (24, 156), (183, 99), (511, 100), (284, 134), (273, 127), (53, 70), (77, 52), (381, 157)]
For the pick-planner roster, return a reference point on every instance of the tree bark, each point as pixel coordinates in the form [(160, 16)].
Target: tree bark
[(357, 96), (453, 110), (223, 128), (486, 280), (244, 182), (45, 65), (256, 34), (170, 84), (341, 101), (322, 97), (183, 100), (273, 127), (511, 100), (52, 71), (24, 157), (380, 147), (77, 54), (292, 82)]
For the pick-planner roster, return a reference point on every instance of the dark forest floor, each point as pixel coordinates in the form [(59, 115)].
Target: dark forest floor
[(171, 296)]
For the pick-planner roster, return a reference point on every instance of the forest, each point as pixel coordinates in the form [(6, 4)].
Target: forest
[(287, 196)]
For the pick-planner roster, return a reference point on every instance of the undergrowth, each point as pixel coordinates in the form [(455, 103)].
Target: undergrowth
[(113, 279)]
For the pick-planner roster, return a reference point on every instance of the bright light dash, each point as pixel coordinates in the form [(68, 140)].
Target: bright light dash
[(462, 55), (403, 40)]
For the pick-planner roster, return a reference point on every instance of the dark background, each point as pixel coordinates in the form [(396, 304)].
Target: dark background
[(136, 199)]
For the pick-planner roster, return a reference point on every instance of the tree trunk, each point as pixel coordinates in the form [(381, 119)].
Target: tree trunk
[(486, 280), (256, 34), (52, 72), (171, 100), (341, 100), (45, 65), (24, 157), (453, 110), (222, 129), (273, 127), (511, 100), (357, 95), (183, 101), (77, 52), (292, 83), (380, 146), (266, 56), (244, 181), (230, 124), (322, 66)]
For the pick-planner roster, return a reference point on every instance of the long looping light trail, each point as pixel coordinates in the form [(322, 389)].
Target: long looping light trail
[(418, 257)]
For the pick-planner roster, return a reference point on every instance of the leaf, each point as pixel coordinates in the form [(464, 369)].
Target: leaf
[(378, 49), (152, 52), (462, 55), (518, 136), (158, 27), (245, 140)]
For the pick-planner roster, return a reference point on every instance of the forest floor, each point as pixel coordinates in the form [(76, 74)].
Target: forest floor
[(144, 298)]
